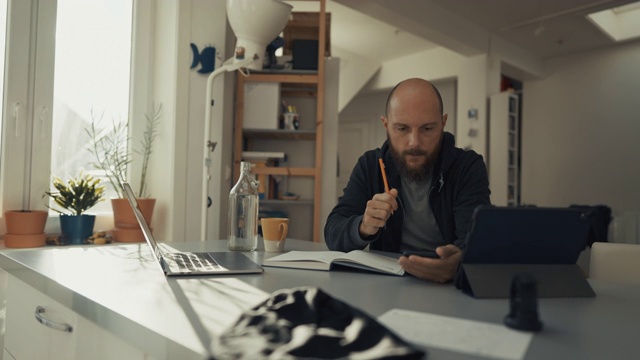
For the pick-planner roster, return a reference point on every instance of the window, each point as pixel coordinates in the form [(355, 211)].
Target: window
[(64, 60), (3, 38), (92, 62), (619, 23)]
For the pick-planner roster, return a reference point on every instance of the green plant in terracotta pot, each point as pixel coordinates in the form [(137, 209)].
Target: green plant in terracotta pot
[(111, 151), (75, 197)]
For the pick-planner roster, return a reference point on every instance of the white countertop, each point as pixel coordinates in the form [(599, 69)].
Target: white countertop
[(123, 290)]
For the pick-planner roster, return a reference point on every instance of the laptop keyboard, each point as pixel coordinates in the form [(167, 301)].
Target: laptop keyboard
[(194, 261)]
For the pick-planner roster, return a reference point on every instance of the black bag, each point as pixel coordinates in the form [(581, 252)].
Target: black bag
[(309, 324), (600, 218)]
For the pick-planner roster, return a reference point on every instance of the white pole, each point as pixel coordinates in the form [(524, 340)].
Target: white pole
[(229, 65)]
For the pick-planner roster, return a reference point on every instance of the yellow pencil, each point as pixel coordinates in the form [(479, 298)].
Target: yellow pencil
[(384, 177)]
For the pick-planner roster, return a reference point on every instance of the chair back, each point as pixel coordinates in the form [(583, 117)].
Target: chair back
[(615, 262)]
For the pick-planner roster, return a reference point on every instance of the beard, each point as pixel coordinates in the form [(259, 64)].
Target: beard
[(419, 173)]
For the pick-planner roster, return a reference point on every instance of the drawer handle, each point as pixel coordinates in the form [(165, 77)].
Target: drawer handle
[(52, 324)]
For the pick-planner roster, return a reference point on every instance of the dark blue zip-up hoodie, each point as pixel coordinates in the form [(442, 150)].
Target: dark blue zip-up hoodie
[(459, 184)]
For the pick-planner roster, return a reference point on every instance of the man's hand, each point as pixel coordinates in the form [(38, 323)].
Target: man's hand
[(438, 270), (378, 210)]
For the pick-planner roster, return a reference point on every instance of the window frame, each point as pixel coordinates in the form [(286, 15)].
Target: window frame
[(16, 109), (25, 164)]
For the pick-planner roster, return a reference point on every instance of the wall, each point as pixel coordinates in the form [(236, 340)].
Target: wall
[(167, 85), (355, 71), (176, 169), (208, 27), (580, 131), (360, 129), (330, 139)]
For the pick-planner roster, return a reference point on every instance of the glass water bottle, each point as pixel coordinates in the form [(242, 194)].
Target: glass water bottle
[(243, 211)]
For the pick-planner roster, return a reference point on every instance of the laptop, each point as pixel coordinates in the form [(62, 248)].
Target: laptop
[(543, 242), (192, 263)]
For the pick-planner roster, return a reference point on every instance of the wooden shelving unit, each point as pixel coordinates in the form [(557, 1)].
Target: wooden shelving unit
[(301, 84)]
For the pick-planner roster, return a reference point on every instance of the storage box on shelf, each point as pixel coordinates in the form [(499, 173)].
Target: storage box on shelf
[(261, 105)]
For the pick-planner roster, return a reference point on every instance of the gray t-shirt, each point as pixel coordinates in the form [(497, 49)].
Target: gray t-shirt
[(420, 230)]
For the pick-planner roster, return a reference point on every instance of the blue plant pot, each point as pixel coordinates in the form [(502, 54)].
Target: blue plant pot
[(76, 229)]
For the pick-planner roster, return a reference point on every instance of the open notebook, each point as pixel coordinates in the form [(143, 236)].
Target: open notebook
[(190, 263)]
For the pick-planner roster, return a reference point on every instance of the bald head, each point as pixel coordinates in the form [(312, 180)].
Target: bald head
[(416, 87), (415, 126)]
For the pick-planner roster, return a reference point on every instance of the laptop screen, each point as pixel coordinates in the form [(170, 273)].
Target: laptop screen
[(141, 220), (526, 235)]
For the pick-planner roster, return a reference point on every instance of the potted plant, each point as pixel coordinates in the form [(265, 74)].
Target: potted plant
[(76, 196), (110, 148)]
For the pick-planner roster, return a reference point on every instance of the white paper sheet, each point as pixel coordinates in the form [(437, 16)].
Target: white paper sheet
[(455, 334)]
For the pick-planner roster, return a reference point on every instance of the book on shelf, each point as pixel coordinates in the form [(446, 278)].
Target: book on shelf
[(325, 260), (262, 155), (273, 188)]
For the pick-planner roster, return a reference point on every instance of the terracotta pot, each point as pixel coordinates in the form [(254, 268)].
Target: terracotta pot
[(128, 235), (25, 222), (24, 241), (126, 226), (123, 217)]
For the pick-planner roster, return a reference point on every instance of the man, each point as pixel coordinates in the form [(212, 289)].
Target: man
[(435, 188)]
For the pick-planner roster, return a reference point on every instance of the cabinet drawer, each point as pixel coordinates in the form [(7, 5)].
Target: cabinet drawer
[(59, 333), (25, 337)]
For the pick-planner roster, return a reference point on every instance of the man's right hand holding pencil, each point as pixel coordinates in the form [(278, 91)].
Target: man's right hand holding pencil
[(378, 210)]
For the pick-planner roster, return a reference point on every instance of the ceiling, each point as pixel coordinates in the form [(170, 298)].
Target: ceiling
[(547, 29), (385, 29), (364, 35)]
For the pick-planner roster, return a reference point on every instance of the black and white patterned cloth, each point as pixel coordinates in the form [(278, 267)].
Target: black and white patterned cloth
[(307, 323)]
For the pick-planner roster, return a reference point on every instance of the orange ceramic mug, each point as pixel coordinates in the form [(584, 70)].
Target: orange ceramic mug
[(274, 232)]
